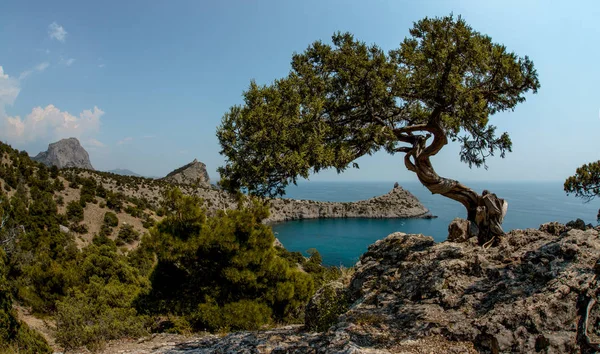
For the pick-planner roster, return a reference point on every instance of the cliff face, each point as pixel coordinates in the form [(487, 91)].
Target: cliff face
[(535, 292), (65, 153), (193, 173)]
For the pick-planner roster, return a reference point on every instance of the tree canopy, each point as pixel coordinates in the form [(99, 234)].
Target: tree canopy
[(586, 182), (349, 99)]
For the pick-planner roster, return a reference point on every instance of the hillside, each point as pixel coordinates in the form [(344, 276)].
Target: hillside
[(97, 255)]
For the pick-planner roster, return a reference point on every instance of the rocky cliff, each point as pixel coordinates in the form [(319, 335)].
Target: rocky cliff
[(535, 292), (194, 173), (65, 153), (397, 203)]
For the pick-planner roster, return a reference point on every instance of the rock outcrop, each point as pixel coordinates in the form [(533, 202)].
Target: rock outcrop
[(531, 293), (194, 173), (397, 203), (65, 153)]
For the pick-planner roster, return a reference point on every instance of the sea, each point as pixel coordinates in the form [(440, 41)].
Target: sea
[(341, 241)]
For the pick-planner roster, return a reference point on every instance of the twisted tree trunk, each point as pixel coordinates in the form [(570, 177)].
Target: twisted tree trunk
[(480, 212)]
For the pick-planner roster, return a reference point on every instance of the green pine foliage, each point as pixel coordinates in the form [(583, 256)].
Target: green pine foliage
[(127, 235), (213, 270), (110, 219)]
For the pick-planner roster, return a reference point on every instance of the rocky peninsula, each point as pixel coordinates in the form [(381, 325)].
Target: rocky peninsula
[(397, 203)]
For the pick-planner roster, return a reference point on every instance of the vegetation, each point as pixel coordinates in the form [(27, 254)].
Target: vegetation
[(222, 272), (585, 183), (15, 336), (201, 272), (346, 100)]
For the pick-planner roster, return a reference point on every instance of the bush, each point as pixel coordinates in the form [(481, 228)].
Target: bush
[(110, 219), (92, 318), (325, 307), (74, 211), (127, 234), (240, 315), (79, 228), (208, 268)]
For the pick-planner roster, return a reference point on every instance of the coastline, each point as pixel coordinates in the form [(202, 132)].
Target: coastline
[(397, 203)]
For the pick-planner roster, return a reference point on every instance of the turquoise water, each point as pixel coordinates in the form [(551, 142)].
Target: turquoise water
[(342, 241)]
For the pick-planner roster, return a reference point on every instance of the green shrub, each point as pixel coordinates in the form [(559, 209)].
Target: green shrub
[(74, 211), (325, 306), (111, 219), (92, 318), (79, 228), (208, 268), (127, 235)]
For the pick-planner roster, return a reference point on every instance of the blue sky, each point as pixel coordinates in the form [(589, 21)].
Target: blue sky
[(144, 84)]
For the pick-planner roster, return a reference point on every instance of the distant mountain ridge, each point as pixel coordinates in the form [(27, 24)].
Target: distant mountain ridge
[(124, 172), (65, 153)]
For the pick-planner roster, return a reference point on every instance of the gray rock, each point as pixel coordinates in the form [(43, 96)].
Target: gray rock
[(64, 229), (397, 203), (461, 230), (65, 153), (194, 173)]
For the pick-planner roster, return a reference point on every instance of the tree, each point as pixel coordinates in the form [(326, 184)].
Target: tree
[(585, 183), (342, 101)]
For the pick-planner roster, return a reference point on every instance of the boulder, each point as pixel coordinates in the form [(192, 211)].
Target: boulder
[(461, 230)]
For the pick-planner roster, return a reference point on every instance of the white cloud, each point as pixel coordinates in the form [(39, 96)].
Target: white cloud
[(50, 123), (125, 140), (101, 65), (9, 90), (67, 62), (39, 68), (44, 124), (56, 31)]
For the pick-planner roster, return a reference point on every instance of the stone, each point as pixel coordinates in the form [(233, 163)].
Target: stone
[(461, 230), (194, 173), (65, 153), (553, 228)]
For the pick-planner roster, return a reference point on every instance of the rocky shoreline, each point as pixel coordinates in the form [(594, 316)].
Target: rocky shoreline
[(397, 203)]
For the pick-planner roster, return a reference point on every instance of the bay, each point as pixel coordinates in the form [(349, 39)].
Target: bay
[(342, 241)]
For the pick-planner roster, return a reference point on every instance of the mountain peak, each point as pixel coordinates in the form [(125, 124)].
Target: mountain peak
[(65, 153), (191, 173)]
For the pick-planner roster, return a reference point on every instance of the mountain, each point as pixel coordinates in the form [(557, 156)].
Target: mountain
[(192, 173), (124, 172), (65, 153)]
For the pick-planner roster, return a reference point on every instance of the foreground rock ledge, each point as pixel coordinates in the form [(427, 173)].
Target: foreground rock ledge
[(410, 295)]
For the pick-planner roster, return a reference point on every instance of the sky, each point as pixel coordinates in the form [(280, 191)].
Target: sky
[(143, 84)]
